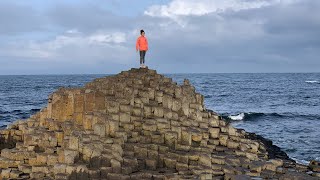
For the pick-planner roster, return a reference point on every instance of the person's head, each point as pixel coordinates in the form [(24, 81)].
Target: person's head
[(142, 32)]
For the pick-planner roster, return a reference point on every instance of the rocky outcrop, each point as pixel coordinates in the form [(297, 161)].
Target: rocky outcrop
[(136, 125)]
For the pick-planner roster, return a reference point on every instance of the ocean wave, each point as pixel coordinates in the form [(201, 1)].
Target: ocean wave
[(8, 116), (3, 112), (317, 82), (238, 117), (250, 115), (35, 110), (16, 111), (254, 115), (20, 111), (301, 161)]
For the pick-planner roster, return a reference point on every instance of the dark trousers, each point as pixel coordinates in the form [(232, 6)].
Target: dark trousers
[(142, 55)]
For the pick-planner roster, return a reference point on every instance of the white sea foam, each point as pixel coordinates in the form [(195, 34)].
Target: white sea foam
[(312, 81), (238, 117), (305, 162)]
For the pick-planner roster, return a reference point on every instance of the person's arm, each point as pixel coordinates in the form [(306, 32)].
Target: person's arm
[(137, 44), (147, 44)]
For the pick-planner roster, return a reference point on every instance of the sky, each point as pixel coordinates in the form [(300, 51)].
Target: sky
[(185, 36)]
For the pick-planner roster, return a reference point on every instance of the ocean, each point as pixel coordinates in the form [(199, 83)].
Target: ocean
[(283, 107)]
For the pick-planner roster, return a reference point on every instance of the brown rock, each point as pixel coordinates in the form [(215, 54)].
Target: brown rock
[(37, 175), (70, 156), (205, 160), (124, 117), (43, 169), (171, 138), (136, 125), (151, 164), (170, 163), (59, 168), (5, 173), (223, 138), (315, 166)]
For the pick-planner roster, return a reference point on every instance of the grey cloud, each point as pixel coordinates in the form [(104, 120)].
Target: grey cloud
[(269, 39), (86, 18), (16, 19), (289, 40)]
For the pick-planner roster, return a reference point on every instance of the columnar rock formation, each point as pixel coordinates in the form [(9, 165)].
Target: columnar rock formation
[(135, 125)]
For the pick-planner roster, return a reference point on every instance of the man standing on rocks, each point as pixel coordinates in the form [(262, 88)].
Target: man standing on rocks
[(142, 46)]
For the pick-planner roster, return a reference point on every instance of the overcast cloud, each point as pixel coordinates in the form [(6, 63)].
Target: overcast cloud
[(184, 36)]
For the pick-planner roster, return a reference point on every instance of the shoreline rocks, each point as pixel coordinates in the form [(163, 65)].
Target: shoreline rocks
[(137, 125)]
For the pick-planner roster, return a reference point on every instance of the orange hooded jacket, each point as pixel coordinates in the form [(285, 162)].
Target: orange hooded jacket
[(142, 43)]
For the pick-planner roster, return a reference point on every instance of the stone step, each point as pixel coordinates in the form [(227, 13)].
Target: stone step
[(8, 163), (43, 138), (62, 176), (44, 169), (25, 168), (17, 155)]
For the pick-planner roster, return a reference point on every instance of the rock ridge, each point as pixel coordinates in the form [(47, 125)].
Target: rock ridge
[(138, 124)]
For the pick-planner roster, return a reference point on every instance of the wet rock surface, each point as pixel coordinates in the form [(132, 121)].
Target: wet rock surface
[(138, 125)]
